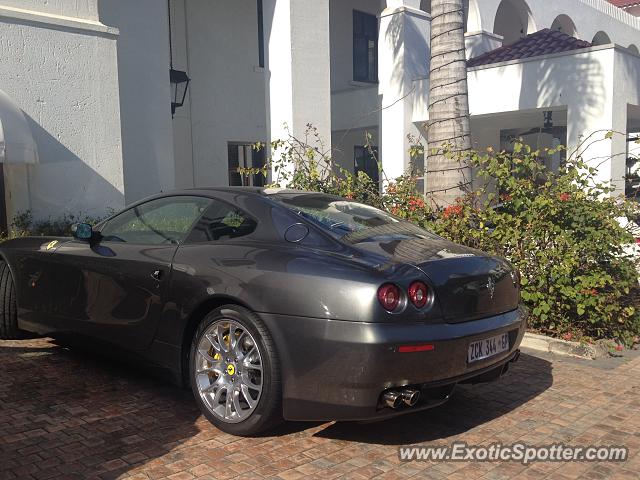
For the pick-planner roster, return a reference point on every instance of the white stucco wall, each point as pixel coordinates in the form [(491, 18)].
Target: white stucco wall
[(344, 141), (143, 63), (63, 74), (404, 45), (298, 68), (83, 9), (355, 106), (594, 85), (227, 93), (182, 144)]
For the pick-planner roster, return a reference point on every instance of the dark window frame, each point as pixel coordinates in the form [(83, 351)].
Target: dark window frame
[(244, 181), (369, 77), (360, 151), (261, 51)]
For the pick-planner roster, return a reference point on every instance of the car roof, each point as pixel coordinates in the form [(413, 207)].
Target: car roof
[(258, 190), (210, 191)]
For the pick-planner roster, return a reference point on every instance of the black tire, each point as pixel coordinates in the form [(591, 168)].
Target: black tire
[(8, 309), (268, 412)]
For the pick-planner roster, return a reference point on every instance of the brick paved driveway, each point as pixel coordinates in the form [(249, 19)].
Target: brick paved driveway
[(66, 414)]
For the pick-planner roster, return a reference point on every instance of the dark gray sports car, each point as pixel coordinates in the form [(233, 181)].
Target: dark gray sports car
[(273, 304)]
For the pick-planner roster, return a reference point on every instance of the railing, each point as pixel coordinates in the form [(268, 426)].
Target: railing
[(613, 11)]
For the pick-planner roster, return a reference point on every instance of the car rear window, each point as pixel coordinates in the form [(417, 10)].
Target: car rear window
[(348, 220)]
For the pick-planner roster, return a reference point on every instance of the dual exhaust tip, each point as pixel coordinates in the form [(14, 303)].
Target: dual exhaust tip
[(394, 399)]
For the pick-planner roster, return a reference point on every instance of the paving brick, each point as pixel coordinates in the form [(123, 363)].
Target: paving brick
[(68, 414)]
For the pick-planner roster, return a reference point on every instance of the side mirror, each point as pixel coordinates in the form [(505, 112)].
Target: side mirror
[(82, 231)]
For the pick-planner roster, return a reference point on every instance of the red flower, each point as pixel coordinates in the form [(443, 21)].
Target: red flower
[(619, 348), (567, 336), (593, 292), (415, 203), (452, 211), (565, 197)]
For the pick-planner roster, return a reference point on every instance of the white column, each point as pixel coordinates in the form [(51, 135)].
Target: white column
[(587, 136), (403, 56), (298, 68), (478, 43)]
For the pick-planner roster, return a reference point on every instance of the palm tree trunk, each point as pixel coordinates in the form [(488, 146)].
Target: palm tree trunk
[(449, 124)]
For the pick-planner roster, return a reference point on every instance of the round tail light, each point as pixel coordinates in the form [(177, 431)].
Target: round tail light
[(419, 294), (389, 296)]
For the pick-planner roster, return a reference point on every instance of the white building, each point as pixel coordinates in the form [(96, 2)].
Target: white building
[(85, 97)]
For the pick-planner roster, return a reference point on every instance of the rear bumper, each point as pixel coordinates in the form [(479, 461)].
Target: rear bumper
[(337, 370)]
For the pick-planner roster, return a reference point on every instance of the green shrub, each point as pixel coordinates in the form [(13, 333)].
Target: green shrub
[(24, 224), (560, 230)]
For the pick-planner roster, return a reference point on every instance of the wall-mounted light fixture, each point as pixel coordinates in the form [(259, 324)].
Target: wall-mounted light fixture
[(179, 79)]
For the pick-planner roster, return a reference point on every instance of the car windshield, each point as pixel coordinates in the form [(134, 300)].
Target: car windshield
[(351, 221)]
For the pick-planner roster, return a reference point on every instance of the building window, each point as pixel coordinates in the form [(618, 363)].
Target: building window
[(243, 156), (365, 47), (417, 167), (365, 159), (260, 34)]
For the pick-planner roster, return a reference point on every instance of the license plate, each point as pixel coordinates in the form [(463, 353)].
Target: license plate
[(488, 347)]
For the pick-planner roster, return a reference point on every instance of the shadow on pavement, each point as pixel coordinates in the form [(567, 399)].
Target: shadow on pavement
[(79, 415), (470, 406)]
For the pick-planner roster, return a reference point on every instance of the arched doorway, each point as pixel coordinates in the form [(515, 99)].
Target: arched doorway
[(601, 38), (513, 21), (564, 24)]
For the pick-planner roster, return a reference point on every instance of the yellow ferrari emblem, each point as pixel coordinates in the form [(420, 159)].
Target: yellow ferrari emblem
[(52, 244), (231, 369)]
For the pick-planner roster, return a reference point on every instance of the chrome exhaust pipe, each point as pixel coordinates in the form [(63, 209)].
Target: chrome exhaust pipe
[(392, 399), (516, 357), (410, 397)]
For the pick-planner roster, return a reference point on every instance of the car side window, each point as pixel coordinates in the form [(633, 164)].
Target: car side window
[(162, 221), (221, 221)]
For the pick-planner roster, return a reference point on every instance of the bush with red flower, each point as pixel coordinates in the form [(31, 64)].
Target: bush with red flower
[(560, 230)]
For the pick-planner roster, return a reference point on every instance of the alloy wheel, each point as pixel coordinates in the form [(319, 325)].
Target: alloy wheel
[(228, 371)]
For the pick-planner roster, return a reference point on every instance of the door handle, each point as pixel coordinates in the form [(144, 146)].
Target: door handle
[(157, 275)]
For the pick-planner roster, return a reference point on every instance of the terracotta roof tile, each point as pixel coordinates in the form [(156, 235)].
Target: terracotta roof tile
[(624, 3), (543, 42)]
